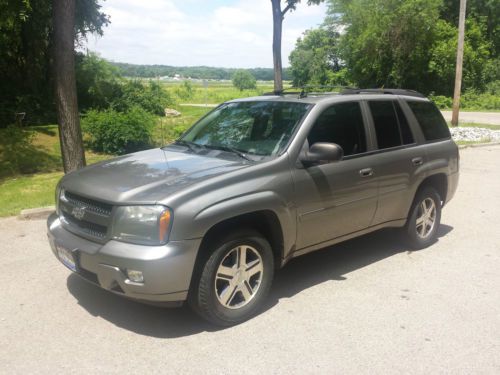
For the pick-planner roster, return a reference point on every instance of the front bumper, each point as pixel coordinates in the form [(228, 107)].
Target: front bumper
[(167, 269)]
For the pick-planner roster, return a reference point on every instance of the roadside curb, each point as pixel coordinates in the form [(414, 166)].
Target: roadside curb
[(479, 145), (36, 213)]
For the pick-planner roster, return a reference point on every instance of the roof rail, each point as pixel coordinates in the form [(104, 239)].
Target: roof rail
[(383, 91), (306, 89)]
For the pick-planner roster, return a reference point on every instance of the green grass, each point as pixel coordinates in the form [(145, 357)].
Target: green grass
[(23, 192), (170, 128)]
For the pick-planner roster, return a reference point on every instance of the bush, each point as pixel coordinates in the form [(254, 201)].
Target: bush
[(118, 133), (244, 80), (442, 102), (470, 100), (151, 97), (185, 91)]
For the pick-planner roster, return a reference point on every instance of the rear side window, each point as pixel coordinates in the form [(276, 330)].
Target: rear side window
[(431, 122), (391, 126)]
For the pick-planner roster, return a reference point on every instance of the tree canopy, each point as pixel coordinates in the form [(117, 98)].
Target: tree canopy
[(25, 59), (400, 43), (243, 80)]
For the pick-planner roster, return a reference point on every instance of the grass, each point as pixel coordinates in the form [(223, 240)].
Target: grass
[(23, 192), (19, 189)]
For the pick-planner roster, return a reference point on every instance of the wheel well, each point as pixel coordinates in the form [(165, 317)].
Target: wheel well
[(438, 182), (265, 222)]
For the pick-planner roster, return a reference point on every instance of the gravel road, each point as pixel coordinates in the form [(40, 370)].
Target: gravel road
[(492, 118), (368, 306)]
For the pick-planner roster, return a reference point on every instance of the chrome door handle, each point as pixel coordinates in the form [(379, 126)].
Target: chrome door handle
[(367, 172), (417, 161)]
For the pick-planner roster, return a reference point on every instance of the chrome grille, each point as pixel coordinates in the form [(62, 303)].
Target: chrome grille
[(85, 217), (90, 204), (94, 230)]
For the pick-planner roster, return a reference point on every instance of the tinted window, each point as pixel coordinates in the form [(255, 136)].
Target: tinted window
[(403, 125), (341, 124), (386, 124), (430, 120)]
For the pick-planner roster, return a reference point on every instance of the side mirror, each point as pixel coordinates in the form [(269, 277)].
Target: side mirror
[(322, 153)]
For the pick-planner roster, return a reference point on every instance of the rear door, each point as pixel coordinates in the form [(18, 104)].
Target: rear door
[(400, 161)]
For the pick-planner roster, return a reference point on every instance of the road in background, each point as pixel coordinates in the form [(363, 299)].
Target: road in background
[(368, 306), (492, 118)]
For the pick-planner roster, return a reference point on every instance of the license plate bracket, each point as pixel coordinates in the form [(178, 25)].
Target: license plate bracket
[(66, 257)]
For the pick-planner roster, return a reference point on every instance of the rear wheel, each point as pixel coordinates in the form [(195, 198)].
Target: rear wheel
[(235, 279), (425, 218)]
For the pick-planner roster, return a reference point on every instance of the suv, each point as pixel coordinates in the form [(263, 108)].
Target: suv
[(254, 183)]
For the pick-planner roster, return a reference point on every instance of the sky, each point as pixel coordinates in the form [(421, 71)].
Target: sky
[(221, 33)]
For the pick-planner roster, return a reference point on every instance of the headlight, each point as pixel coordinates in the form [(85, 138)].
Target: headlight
[(143, 225)]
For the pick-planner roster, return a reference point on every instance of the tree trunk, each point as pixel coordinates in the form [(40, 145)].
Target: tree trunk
[(70, 134), (277, 29)]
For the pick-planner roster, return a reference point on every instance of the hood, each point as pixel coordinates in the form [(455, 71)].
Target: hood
[(148, 176)]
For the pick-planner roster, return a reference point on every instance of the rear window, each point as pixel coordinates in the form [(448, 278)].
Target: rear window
[(391, 127), (430, 119)]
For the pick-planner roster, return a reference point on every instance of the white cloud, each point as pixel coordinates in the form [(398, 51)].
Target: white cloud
[(193, 32)]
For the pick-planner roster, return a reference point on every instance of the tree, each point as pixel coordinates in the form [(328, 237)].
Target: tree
[(243, 80), (26, 41), (278, 16), (411, 44), (68, 119), (315, 59)]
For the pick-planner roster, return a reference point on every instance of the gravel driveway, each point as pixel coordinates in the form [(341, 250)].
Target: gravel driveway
[(368, 306)]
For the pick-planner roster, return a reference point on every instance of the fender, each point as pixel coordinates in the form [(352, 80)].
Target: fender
[(245, 204)]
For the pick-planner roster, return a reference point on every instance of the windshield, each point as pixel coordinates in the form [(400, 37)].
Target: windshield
[(260, 128)]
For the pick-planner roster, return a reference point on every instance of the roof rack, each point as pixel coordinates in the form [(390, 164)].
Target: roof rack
[(306, 89), (351, 91)]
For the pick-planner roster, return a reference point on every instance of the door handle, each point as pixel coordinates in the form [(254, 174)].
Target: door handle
[(367, 172), (417, 161)]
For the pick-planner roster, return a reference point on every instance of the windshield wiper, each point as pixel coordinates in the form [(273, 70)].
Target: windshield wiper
[(188, 144), (229, 149)]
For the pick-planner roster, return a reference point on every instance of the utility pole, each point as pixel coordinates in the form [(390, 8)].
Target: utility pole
[(460, 59)]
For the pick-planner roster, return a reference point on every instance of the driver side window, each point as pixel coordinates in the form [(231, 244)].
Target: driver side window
[(342, 124)]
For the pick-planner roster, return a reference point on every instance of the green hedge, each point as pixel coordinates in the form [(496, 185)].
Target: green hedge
[(118, 133)]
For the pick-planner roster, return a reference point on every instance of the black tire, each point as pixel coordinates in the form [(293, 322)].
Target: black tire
[(204, 297), (414, 231)]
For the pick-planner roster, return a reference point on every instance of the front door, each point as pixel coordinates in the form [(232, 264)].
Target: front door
[(338, 198)]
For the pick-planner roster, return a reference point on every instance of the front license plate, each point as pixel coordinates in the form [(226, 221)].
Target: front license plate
[(66, 258)]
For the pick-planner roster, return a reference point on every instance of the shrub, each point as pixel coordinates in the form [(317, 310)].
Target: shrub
[(244, 80), (118, 133), (151, 97), (470, 100), (185, 91), (442, 102)]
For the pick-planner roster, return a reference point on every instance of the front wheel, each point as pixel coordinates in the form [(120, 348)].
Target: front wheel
[(235, 279), (425, 218)]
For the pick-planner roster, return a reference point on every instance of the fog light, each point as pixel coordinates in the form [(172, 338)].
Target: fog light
[(135, 276)]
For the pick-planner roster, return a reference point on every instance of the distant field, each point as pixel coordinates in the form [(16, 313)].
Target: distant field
[(217, 92)]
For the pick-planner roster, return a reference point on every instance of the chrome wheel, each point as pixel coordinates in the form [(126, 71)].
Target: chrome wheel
[(426, 217), (238, 277)]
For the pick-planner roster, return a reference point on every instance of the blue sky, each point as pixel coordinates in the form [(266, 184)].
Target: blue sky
[(224, 33)]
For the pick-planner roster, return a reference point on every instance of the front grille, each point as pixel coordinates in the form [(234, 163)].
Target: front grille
[(91, 229), (90, 204), (84, 216)]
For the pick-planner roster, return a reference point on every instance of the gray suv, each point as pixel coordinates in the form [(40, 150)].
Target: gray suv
[(254, 183)]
